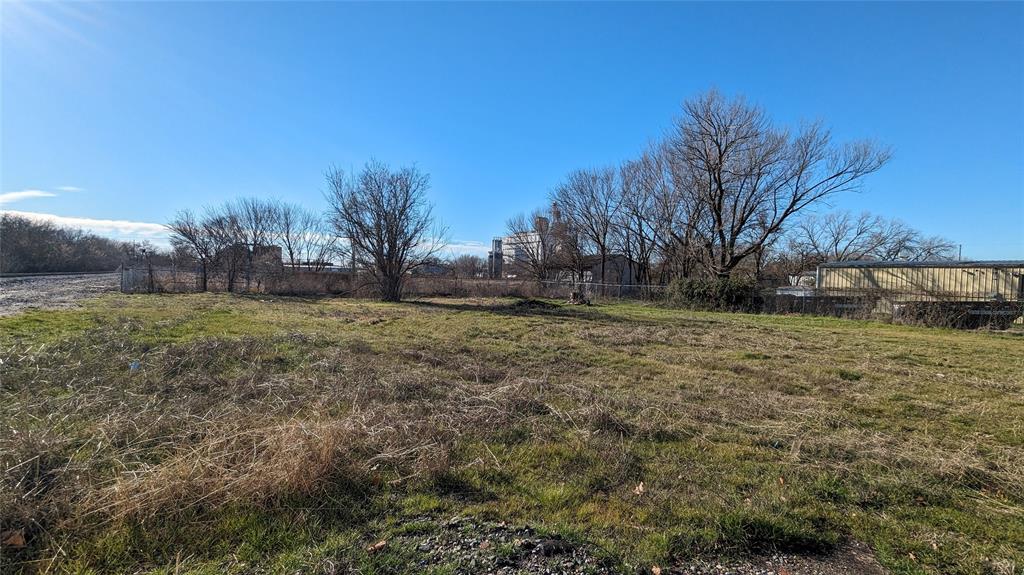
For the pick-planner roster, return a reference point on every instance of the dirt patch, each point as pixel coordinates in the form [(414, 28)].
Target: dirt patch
[(851, 559), (532, 304), (18, 294), (464, 545)]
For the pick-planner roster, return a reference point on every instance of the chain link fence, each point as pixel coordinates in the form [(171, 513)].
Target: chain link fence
[(865, 304)]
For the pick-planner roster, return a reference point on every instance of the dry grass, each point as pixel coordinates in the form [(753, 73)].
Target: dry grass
[(750, 434)]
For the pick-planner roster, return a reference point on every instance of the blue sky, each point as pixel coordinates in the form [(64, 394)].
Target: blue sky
[(129, 112)]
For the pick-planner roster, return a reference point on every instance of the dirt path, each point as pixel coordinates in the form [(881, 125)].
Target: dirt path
[(18, 294)]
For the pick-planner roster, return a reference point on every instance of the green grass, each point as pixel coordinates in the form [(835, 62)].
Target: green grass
[(751, 434)]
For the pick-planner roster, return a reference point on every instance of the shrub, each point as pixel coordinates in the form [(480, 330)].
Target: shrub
[(715, 294)]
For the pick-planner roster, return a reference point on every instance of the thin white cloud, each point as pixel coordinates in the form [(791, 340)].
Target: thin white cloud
[(11, 197), (463, 247), (117, 229), (70, 189)]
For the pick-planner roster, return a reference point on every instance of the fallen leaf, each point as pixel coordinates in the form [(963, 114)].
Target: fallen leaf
[(14, 538), (782, 481), (485, 545), (655, 570), (639, 489), (377, 546)]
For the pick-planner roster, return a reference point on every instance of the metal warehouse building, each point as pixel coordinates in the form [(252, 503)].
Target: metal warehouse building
[(926, 281), (963, 294)]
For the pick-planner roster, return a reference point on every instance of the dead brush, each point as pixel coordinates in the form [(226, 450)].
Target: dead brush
[(233, 464), (602, 418), (631, 418), (239, 463)]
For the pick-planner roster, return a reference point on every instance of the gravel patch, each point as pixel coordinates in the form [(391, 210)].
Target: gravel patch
[(468, 546), (18, 294), (853, 559)]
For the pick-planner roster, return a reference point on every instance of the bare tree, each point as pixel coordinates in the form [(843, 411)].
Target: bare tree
[(385, 216), (533, 243), (933, 248), (589, 202), (842, 236), (228, 240), (320, 242), (292, 227), (749, 178), (571, 251), (189, 235), (306, 239), (255, 225), (468, 266), (648, 213)]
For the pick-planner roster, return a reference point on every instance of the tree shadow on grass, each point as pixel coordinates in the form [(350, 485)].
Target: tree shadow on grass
[(545, 308)]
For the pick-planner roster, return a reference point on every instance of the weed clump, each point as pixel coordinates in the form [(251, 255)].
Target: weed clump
[(849, 375), (533, 304)]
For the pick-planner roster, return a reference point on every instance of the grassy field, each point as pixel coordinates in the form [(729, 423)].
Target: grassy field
[(281, 435)]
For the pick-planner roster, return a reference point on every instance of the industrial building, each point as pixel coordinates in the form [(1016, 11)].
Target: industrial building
[(926, 281), (509, 255), (953, 293)]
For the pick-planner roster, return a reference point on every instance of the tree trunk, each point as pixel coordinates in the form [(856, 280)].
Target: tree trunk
[(604, 258), (391, 289)]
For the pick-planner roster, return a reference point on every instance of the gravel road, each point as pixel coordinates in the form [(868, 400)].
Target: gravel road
[(18, 294)]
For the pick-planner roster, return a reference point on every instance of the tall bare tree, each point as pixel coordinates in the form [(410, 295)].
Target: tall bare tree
[(749, 177), (589, 202), (649, 211), (387, 220), (292, 223)]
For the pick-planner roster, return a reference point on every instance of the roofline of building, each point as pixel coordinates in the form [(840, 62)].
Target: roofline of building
[(926, 264)]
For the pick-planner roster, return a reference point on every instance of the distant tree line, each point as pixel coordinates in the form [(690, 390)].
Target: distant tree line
[(726, 191), (241, 238), (33, 246)]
